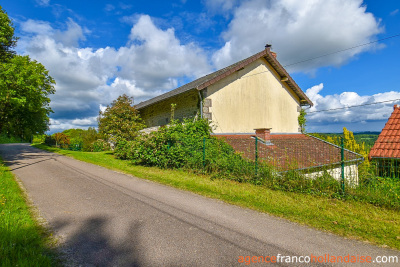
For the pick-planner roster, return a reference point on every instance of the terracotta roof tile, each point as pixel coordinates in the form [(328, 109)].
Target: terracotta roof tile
[(388, 143)]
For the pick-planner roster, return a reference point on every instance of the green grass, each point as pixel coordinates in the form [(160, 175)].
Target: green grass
[(348, 218), (23, 241)]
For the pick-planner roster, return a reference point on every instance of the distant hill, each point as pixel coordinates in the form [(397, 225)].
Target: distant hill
[(368, 138)]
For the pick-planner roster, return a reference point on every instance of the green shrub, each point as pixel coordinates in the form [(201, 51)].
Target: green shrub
[(379, 191), (50, 140), (38, 139), (100, 145), (5, 139), (180, 145)]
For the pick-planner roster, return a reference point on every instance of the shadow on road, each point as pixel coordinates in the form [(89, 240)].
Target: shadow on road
[(16, 156), (91, 245)]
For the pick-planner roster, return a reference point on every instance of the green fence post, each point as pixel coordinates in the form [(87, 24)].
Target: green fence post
[(204, 152), (256, 157), (342, 163), (168, 145)]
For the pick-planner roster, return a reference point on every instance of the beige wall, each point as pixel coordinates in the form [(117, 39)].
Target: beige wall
[(253, 98), (187, 105), (350, 174)]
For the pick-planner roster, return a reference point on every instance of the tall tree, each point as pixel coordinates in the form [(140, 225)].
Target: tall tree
[(7, 39), (25, 86), (120, 120)]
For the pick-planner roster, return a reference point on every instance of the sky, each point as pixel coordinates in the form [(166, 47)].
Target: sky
[(98, 50)]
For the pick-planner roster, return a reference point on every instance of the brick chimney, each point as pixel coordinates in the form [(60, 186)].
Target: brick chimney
[(264, 133), (394, 107), (268, 48)]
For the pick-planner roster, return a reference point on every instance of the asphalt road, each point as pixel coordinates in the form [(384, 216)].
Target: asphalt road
[(105, 218)]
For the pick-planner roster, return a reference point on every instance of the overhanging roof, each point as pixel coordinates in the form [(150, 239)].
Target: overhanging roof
[(388, 143), (214, 77)]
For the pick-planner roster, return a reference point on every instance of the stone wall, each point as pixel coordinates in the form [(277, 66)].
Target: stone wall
[(158, 114)]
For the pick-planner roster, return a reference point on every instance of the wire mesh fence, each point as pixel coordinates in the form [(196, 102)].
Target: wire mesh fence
[(306, 154)]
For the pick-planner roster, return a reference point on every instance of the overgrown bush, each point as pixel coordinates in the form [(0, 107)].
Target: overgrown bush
[(49, 140), (379, 191), (181, 144), (38, 138), (5, 139), (100, 145)]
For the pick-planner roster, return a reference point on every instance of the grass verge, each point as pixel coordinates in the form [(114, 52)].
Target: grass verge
[(23, 241), (349, 218)]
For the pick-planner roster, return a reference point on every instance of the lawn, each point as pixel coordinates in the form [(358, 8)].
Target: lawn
[(23, 241), (348, 218)]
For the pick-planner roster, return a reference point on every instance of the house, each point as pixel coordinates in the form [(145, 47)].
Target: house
[(386, 151), (253, 93)]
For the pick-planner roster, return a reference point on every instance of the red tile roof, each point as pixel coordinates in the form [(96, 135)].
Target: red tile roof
[(388, 143), (291, 151)]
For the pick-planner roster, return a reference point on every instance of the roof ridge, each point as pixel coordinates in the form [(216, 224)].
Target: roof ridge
[(217, 75)]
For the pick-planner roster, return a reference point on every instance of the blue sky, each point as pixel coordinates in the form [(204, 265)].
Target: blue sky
[(97, 50)]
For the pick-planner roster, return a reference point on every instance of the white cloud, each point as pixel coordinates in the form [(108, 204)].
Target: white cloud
[(299, 30), (43, 2), (221, 6), (394, 12), (332, 110), (109, 7), (152, 63)]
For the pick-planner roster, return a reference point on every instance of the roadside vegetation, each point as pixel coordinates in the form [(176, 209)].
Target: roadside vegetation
[(350, 218), (23, 241), (25, 88), (4, 139)]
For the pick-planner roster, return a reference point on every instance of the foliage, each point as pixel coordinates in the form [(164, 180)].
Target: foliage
[(38, 138), (24, 105), (75, 136), (61, 140), (169, 147), (25, 86), (78, 139), (350, 143), (88, 138), (302, 120), (120, 120), (5, 139), (50, 140), (181, 144), (7, 39), (100, 145)]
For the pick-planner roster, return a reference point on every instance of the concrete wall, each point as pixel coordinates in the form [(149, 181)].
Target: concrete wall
[(253, 97), (350, 174), (187, 106)]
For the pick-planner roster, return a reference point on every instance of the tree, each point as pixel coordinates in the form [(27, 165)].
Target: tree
[(7, 39), (302, 120), (25, 86), (120, 120)]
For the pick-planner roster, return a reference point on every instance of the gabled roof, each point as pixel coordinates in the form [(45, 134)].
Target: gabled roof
[(292, 151), (388, 143), (214, 77)]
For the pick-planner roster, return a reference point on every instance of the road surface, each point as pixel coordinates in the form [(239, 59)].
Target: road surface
[(105, 218)]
